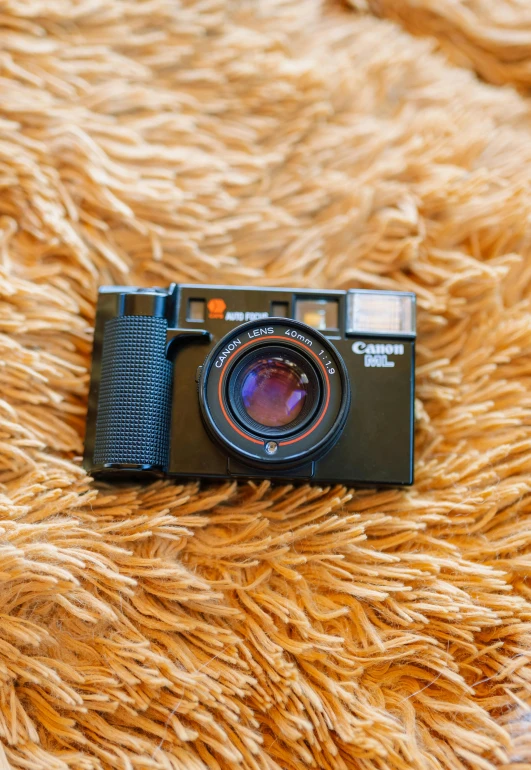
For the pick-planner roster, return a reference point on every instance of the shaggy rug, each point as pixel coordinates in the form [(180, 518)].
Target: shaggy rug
[(491, 36), (250, 626)]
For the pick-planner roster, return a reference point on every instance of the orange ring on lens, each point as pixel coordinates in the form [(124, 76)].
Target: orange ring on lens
[(261, 339)]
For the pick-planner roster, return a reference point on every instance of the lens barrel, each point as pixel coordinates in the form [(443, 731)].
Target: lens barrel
[(275, 393)]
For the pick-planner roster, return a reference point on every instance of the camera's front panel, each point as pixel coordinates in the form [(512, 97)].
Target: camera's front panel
[(213, 381), (226, 439), (243, 409)]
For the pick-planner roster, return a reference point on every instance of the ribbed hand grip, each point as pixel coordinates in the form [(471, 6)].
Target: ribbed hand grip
[(135, 393)]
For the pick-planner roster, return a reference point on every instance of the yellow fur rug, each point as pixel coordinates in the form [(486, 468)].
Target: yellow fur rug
[(491, 36), (257, 627)]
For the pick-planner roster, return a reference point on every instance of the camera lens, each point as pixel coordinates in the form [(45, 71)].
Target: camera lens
[(273, 390), (280, 381)]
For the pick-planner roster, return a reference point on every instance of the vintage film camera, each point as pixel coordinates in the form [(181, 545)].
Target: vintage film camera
[(200, 381)]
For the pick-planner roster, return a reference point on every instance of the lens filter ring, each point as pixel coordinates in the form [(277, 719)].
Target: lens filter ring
[(278, 380)]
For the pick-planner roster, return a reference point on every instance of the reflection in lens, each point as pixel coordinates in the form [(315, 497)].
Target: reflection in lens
[(273, 391)]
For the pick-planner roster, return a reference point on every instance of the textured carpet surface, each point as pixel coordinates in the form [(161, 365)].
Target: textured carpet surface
[(251, 626), (491, 36)]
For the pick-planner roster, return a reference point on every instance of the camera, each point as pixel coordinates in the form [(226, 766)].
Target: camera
[(202, 381)]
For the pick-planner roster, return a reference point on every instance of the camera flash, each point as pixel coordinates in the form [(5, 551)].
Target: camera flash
[(380, 312)]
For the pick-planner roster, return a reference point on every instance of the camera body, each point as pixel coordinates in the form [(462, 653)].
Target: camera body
[(201, 381)]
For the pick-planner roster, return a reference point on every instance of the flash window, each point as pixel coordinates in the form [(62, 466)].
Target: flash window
[(380, 312)]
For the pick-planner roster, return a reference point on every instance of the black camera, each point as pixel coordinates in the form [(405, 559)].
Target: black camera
[(221, 381)]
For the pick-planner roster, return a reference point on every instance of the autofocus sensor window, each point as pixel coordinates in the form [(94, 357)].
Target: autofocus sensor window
[(273, 390)]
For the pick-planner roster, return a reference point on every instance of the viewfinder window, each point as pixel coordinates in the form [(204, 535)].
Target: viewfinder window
[(319, 313), (196, 310)]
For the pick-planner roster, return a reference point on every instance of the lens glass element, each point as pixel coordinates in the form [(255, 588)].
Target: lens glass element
[(274, 390)]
